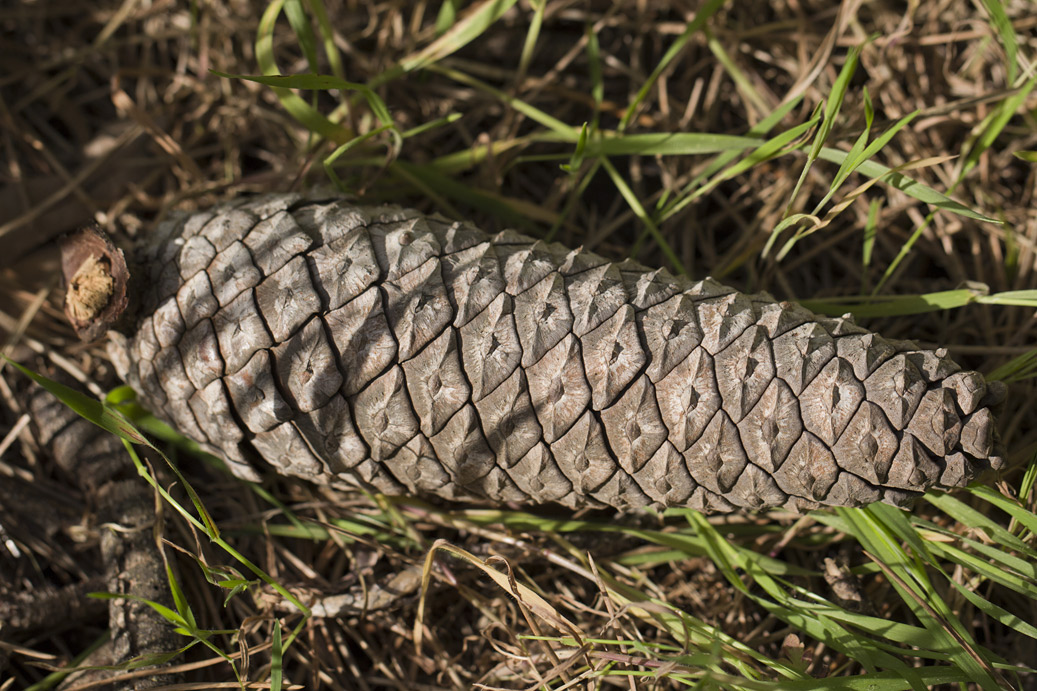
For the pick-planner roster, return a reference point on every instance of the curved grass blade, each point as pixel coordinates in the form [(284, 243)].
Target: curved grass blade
[(107, 418), (462, 32), (113, 420), (299, 109), (318, 82), (908, 186)]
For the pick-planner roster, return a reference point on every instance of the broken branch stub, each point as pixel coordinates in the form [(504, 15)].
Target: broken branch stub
[(95, 275), (379, 347)]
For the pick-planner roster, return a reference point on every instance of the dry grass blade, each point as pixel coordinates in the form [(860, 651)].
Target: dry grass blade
[(526, 597), (125, 104)]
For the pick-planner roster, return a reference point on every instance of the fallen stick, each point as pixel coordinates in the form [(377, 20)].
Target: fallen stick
[(125, 506)]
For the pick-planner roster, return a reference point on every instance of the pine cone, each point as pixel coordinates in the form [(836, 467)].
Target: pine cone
[(404, 353)]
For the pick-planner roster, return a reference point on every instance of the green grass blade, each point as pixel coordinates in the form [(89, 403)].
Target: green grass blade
[(318, 82), (742, 82), (327, 34), (532, 35), (872, 527), (300, 24), (576, 160), (994, 124), (165, 612), (552, 123), (807, 223), (594, 66), (880, 142), (635, 204), (896, 521), (831, 112), (803, 231), (775, 146), (989, 130), (753, 138), (604, 143), (462, 32), (701, 16), (847, 167), (895, 305), (299, 109), (207, 524), (977, 520), (182, 605), (276, 659), (997, 566), (447, 15), (927, 677), (835, 100), (1019, 298), (1003, 26), (908, 186), (856, 157), (810, 617), (106, 417), (1010, 506), (329, 161), (668, 144), (902, 305), (996, 613), (1018, 368), (431, 125), (692, 632), (1029, 480)]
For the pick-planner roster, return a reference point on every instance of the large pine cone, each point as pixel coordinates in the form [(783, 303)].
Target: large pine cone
[(409, 354)]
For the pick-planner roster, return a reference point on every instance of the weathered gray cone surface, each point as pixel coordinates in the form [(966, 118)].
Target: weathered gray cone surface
[(405, 353)]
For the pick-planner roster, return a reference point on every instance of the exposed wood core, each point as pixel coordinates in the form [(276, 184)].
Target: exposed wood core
[(91, 289)]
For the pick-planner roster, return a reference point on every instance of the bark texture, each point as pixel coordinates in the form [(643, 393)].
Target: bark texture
[(98, 461), (379, 347)]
